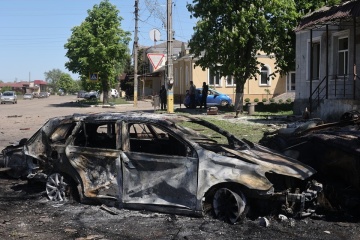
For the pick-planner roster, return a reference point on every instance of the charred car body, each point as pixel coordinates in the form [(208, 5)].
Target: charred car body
[(160, 163), (333, 150)]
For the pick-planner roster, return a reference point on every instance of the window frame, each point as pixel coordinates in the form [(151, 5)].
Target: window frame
[(214, 79), (268, 82), (232, 84), (345, 70)]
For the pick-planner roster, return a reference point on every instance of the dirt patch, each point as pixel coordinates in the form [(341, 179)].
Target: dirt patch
[(27, 214)]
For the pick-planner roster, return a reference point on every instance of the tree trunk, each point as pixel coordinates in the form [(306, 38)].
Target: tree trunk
[(239, 97), (106, 88)]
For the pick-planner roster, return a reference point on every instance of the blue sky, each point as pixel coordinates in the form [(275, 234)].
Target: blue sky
[(33, 32)]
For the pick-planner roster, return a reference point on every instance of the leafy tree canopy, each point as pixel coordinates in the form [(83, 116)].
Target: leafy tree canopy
[(67, 84), (98, 45), (52, 77), (230, 34)]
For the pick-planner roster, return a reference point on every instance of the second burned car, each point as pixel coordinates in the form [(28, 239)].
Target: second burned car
[(160, 163)]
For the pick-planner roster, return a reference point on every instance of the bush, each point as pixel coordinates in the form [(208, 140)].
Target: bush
[(272, 100), (247, 100), (273, 107), (256, 100), (280, 100), (264, 100), (288, 100)]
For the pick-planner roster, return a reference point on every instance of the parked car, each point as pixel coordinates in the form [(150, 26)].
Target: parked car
[(160, 163), (114, 93), (43, 95), (9, 97), (214, 98), (92, 95), (35, 94), (28, 96), (81, 94)]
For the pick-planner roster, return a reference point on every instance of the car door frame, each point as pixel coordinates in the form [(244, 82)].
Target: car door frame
[(155, 181)]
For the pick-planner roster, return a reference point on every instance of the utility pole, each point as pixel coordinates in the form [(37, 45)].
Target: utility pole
[(136, 53), (170, 80)]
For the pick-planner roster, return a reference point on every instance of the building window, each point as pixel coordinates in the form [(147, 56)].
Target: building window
[(230, 81), (291, 81), (214, 78), (316, 61), (343, 56), (264, 76)]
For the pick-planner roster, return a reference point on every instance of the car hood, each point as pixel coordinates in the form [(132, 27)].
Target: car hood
[(269, 161)]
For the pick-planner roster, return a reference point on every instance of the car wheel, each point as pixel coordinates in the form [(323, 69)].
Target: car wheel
[(224, 103), (228, 205), (58, 187)]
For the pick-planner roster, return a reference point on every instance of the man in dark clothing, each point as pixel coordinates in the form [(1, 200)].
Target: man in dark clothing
[(163, 97), (192, 92), (204, 94)]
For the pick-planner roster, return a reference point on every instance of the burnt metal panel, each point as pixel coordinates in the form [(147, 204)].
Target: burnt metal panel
[(97, 170), (160, 180)]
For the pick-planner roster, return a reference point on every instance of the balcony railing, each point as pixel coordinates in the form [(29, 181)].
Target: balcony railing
[(338, 87)]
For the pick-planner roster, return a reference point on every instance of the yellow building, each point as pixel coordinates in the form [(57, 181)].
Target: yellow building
[(267, 84)]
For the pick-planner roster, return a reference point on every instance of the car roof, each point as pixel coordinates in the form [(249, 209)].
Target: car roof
[(136, 116)]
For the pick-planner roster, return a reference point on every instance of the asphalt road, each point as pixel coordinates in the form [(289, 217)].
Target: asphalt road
[(24, 118)]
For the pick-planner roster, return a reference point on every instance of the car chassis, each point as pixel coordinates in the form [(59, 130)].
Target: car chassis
[(146, 161)]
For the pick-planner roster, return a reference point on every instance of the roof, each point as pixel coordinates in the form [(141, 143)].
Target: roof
[(137, 116), (330, 15), (15, 84), (175, 44), (40, 82)]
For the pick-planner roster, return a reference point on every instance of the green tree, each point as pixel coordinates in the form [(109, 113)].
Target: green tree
[(66, 83), (229, 35), (98, 45), (52, 77)]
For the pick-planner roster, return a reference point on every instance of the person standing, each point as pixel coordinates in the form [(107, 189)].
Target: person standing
[(204, 94), (163, 98), (192, 92)]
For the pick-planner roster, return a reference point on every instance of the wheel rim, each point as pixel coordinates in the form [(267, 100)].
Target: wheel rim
[(224, 103), (57, 187), (228, 205)]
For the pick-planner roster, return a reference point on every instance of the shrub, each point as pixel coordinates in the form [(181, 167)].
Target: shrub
[(247, 100), (256, 100), (288, 100), (280, 100), (272, 100), (264, 100)]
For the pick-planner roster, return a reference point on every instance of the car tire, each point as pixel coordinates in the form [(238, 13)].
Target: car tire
[(58, 187), (229, 206), (224, 103)]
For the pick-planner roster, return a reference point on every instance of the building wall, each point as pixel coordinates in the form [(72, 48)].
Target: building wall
[(338, 88), (252, 88), (184, 71)]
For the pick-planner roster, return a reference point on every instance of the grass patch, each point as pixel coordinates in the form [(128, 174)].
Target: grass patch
[(251, 132)]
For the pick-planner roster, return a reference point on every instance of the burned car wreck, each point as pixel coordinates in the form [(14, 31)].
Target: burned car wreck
[(333, 150), (166, 163)]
